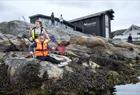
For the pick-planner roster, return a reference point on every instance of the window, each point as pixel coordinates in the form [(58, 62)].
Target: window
[(138, 33)]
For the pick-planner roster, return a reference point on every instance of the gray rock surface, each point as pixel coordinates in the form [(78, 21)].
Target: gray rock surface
[(97, 64), (14, 27), (10, 42)]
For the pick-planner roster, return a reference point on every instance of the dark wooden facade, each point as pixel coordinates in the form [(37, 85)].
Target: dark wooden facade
[(96, 24)]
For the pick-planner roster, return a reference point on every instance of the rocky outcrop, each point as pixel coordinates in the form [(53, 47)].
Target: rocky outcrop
[(91, 76), (97, 65), (104, 48), (88, 41), (10, 42), (14, 27)]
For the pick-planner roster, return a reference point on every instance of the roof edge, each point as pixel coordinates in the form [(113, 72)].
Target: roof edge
[(38, 15), (92, 15)]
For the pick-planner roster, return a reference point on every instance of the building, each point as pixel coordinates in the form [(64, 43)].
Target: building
[(133, 30), (96, 24), (46, 21), (117, 32)]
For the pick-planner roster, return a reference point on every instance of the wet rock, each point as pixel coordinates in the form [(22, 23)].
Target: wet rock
[(113, 78), (81, 81), (28, 78), (4, 79)]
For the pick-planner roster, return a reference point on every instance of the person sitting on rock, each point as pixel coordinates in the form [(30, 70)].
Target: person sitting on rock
[(41, 51), (61, 47), (60, 52), (37, 30)]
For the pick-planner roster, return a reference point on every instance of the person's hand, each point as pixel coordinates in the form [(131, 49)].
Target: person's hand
[(31, 39), (53, 48), (30, 28), (31, 53)]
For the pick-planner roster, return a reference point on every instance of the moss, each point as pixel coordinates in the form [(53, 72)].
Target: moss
[(82, 81), (113, 78), (4, 79), (28, 78)]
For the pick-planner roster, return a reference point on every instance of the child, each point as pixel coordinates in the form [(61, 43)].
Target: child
[(60, 49)]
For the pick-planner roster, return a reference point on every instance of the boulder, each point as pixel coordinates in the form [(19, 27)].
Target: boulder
[(78, 40), (123, 44), (96, 41), (53, 71), (88, 41), (63, 34), (4, 42), (126, 53), (20, 67), (10, 42), (14, 27)]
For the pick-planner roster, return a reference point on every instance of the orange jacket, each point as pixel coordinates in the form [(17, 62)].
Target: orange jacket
[(41, 49)]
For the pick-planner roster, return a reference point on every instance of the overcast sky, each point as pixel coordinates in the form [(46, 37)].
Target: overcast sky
[(127, 12)]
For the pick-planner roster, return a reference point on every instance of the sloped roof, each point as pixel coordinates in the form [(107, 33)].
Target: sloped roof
[(94, 15), (123, 31), (132, 28), (40, 15), (118, 32)]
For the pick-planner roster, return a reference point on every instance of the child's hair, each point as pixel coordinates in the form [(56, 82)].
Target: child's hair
[(39, 22)]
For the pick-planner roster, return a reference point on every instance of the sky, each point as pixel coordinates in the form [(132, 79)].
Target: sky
[(127, 12)]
